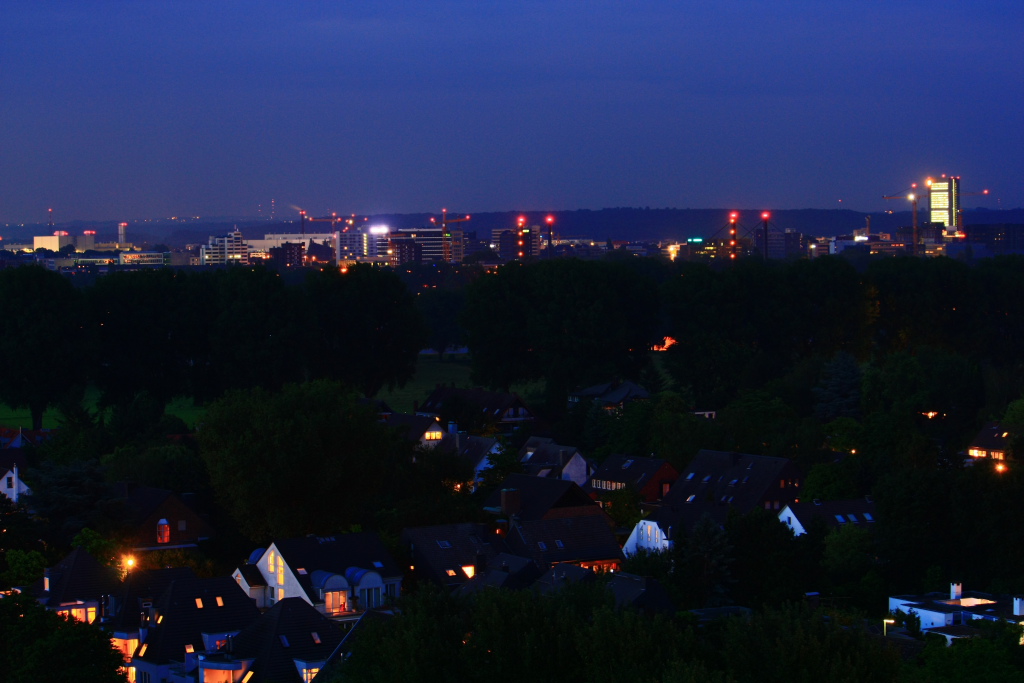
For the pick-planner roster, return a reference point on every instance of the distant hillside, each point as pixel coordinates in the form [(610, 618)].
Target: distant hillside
[(641, 224)]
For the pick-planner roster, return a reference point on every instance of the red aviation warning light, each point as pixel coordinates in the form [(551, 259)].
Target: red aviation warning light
[(765, 215), (551, 219)]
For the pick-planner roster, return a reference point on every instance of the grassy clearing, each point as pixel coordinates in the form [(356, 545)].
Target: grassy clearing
[(429, 373)]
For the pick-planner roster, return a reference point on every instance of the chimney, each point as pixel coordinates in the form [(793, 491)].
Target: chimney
[(1018, 607), (480, 562), (511, 501), (956, 590)]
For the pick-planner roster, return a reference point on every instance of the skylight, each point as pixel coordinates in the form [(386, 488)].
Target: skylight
[(378, 564), (316, 637), (867, 516), (284, 640), (690, 498), (444, 544), (690, 476), (199, 603), (840, 519)]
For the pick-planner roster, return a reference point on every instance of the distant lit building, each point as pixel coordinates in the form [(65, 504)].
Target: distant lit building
[(289, 254), (224, 250), (55, 242), (944, 198), (155, 259), (404, 250)]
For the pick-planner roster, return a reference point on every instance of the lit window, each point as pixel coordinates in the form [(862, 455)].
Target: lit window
[(450, 572), (247, 676), (280, 570), (163, 531), (434, 436), (691, 498), (199, 603), (220, 601), (280, 594), (270, 562), (189, 649), (142, 650), (469, 570), (309, 674)]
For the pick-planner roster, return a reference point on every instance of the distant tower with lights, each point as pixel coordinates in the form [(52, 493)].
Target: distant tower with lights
[(944, 198)]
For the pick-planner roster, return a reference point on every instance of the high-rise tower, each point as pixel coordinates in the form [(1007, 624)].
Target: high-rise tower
[(944, 196)]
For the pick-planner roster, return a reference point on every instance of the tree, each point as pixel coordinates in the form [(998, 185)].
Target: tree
[(307, 459), (39, 645), (41, 339)]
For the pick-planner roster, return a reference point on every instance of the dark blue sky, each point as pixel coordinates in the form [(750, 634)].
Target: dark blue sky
[(130, 109)]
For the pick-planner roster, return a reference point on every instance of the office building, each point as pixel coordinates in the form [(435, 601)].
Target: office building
[(944, 198)]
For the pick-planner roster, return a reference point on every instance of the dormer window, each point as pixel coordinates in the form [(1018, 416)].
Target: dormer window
[(163, 531), (434, 435)]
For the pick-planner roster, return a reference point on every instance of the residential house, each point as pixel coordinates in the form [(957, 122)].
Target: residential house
[(191, 619), (160, 520), (136, 595), (341, 576), (506, 410), (992, 442), (941, 614), (12, 464), (611, 396), (714, 483), (512, 572), (650, 478), (831, 514), (290, 643), (542, 457), (11, 438), (451, 554), (641, 593), (477, 452), (75, 586), (422, 430), (553, 521)]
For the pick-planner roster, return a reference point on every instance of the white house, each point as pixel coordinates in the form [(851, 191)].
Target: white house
[(832, 514), (11, 485), (937, 612), (341, 576)]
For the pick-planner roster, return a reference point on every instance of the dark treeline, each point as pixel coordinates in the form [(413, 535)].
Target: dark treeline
[(175, 333)]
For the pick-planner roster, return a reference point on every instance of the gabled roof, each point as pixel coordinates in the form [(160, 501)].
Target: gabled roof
[(140, 586), (507, 571), (252, 575), (566, 539), (836, 513), (542, 457), (492, 403), (632, 471), (441, 552), (641, 592), (183, 622), (716, 481), (612, 393), (473, 449), (335, 554), (539, 498), (991, 437), (79, 576), (290, 630), (413, 427), (19, 438)]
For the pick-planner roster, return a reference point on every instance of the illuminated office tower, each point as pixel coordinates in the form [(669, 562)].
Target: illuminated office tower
[(944, 194)]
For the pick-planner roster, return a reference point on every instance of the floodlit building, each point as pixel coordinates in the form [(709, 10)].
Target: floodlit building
[(224, 250), (944, 198)]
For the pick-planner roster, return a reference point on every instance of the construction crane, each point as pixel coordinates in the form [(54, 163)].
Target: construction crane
[(447, 241), (913, 197)]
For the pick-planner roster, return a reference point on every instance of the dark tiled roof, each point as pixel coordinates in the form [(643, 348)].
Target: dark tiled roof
[(182, 622), (473, 449), (141, 586), (252, 575), (566, 539), (337, 553), (290, 630), (438, 550), (412, 427), (561, 575), (715, 481), (635, 472), (641, 592), (544, 450), (507, 571), (79, 576), (856, 512), (992, 438), (542, 497)]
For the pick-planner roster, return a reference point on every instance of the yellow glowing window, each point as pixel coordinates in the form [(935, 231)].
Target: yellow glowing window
[(199, 603), (270, 562), (220, 601), (469, 570), (434, 436), (247, 676), (189, 649), (280, 570), (159, 619), (280, 594), (450, 572), (142, 650)]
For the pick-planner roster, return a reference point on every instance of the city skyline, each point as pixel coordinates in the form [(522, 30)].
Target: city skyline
[(121, 110)]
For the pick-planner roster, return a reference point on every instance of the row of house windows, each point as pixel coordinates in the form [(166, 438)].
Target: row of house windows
[(607, 485)]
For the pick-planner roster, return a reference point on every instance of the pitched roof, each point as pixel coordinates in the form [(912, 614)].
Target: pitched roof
[(507, 571), (632, 471), (542, 497), (716, 481), (141, 586), (181, 621), (413, 427), (79, 576), (565, 539), (337, 553), (836, 513), (641, 592), (290, 630), (252, 575), (440, 552), (473, 449), (991, 437)]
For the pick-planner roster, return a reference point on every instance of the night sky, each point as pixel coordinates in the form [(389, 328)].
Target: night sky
[(133, 109)]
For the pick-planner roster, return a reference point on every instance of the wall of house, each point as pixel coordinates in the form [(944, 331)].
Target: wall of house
[(12, 486), (576, 470), (646, 535), (789, 519), (928, 618)]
